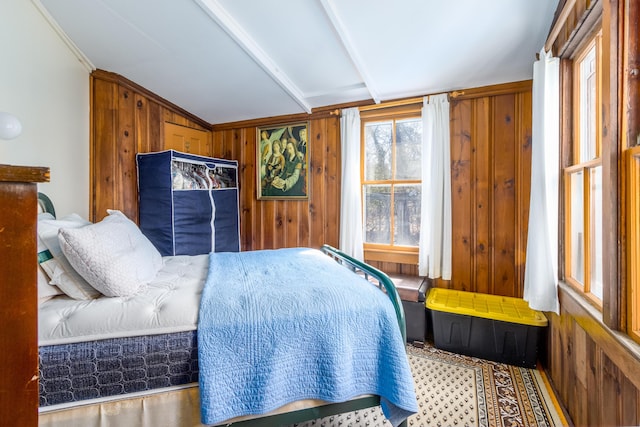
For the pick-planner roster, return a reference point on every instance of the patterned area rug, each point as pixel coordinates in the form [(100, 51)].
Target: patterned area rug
[(455, 390)]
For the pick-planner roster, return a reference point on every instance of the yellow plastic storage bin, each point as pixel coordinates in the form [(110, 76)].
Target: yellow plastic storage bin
[(492, 327)]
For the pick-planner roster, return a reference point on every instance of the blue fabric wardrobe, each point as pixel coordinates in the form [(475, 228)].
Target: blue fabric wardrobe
[(188, 203)]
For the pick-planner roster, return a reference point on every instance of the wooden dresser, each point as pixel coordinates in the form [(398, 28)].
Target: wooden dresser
[(19, 294)]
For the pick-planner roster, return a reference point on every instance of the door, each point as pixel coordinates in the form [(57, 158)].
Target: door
[(186, 139)]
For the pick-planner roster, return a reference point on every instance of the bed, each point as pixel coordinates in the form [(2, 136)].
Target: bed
[(218, 339)]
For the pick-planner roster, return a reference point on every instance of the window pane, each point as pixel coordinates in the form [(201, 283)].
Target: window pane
[(377, 149), (377, 204), (596, 231), (406, 203), (588, 84), (577, 226), (408, 149)]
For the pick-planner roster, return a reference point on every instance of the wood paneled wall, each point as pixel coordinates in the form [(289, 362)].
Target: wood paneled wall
[(490, 184), (269, 224), (490, 157), (125, 119), (595, 371), (491, 164)]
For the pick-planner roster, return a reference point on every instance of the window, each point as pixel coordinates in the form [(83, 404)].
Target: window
[(583, 179), (633, 233), (391, 183)]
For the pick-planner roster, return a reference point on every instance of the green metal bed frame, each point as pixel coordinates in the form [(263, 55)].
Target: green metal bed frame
[(377, 278), (45, 204)]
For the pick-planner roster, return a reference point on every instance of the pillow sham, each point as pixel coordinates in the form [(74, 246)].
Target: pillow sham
[(112, 255), (53, 261), (46, 290)]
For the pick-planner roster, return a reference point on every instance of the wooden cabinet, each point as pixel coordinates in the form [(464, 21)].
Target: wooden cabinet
[(19, 296), (186, 139)]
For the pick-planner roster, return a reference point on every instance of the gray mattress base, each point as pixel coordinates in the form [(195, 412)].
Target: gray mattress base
[(112, 367)]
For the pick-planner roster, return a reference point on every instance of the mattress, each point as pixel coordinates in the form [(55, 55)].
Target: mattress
[(95, 350), (169, 304)]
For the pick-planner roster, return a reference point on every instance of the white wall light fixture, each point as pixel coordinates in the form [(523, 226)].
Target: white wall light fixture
[(10, 126)]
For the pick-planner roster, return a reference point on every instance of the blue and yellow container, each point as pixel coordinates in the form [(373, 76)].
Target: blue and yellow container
[(493, 327)]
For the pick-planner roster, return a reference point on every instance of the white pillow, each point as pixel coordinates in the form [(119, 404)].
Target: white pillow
[(45, 290), (112, 255), (54, 263)]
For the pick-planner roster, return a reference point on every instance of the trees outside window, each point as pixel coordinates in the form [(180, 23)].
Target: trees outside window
[(391, 183)]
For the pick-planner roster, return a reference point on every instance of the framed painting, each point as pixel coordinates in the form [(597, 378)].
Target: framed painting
[(283, 160)]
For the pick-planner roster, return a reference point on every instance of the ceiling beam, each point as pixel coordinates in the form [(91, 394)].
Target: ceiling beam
[(340, 28), (218, 14)]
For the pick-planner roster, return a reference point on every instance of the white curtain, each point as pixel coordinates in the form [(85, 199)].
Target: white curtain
[(350, 203), (434, 258), (541, 268)]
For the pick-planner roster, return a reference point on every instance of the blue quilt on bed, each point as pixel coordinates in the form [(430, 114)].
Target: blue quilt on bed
[(277, 326)]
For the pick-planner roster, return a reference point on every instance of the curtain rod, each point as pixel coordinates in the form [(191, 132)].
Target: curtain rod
[(558, 25), (407, 101), (399, 102)]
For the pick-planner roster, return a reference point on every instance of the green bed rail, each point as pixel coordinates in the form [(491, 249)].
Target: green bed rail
[(369, 273)]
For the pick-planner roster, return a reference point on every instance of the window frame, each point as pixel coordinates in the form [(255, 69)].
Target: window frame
[(374, 251), (632, 166), (586, 166), (585, 287), (620, 124)]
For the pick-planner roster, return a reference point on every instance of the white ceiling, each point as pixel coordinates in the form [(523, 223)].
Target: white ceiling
[(233, 60)]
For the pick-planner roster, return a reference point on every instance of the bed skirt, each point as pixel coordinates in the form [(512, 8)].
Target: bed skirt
[(173, 408), (176, 408)]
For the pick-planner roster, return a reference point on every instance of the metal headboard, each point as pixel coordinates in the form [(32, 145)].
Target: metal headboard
[(45, 204)]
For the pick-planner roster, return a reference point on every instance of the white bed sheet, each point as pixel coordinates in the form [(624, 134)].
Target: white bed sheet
[(169, 304)]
